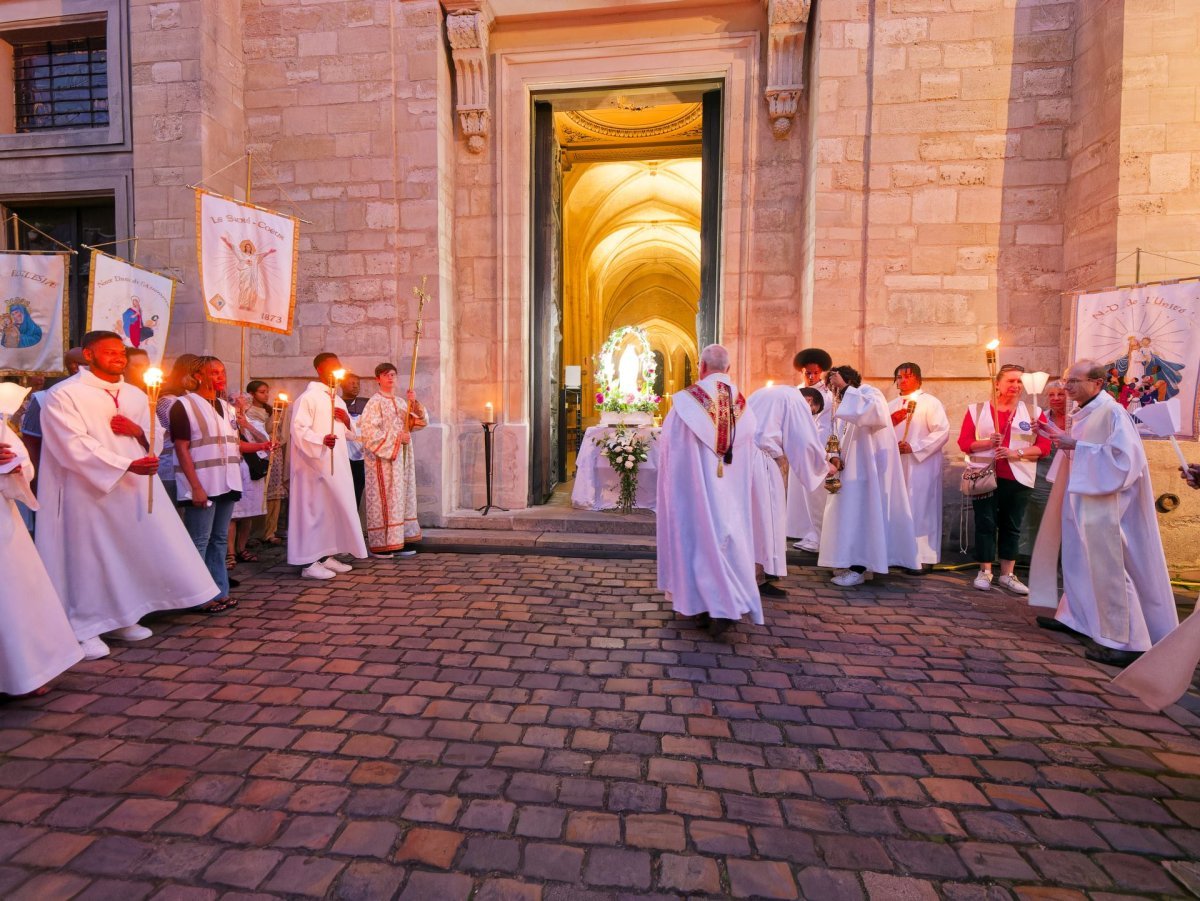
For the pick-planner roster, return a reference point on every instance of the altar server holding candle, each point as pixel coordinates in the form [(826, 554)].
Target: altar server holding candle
[(922, 430), (1116, 590), (110, 559), (322, 513), (37, 642), (806, 509)]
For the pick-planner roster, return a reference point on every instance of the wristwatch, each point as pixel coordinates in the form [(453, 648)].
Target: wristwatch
[(1021, 454)]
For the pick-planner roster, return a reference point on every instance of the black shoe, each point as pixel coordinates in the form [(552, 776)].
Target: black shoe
[(771, 590), (702, 620), (1051, 624), (720, 626), (234, 583), (1111, 656), (914, 572)]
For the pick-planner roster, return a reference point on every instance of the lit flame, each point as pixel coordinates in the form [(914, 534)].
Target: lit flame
[(993, 344), (339, 374), (770, 383), (283, 398), (152, 377)]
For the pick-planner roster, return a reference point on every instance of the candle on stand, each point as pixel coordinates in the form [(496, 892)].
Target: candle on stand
[(489, 416), (152, 379), (991, 365), (336, 376)]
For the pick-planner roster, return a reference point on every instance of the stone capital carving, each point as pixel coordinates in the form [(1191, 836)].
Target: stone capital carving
[(787, 25), (468, 25)]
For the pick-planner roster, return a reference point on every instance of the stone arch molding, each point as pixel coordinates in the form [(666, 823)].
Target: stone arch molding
[(787, 25), (468, 27)]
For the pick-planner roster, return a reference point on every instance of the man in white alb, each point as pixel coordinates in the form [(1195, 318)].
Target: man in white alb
[(806, 509), (868, 523), (322, 512), (784, 430), (111, 561), (921, 433), (1116, 590), (705, 535)]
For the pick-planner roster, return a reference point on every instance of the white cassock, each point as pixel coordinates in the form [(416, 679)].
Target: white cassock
[(1116, 589), (928, 433), (110, 560), (322, 514), (705, 536), (784, 428), (36, 643), (869, 521), (806, 509)]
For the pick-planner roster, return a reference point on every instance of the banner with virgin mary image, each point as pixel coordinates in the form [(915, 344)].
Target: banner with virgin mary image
[(33, 311), (1148, 338), (131, 301), (247, 258)]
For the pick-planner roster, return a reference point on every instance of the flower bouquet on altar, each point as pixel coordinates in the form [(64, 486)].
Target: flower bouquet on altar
[(626, 451)]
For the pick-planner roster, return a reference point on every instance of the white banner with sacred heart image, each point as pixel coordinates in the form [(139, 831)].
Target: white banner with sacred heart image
[(247, 258), (1148, 338), (33, 311), (131, 301)]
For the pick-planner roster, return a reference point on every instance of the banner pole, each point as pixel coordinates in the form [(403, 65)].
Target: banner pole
[(1137, 267), (249, 187), (16, 236)]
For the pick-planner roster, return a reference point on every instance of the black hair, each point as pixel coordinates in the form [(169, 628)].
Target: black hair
[(384, 367), (813, 355), (849, 375), (254, 385), (911, 367), (321, 358), (134, 351), (815, 398), (92, 337)]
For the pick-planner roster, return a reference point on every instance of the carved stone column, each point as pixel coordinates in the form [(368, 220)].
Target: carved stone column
[(468, 24), (787, 24)]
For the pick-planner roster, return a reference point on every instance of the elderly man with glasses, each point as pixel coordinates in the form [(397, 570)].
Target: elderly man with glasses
[(1116, 592)]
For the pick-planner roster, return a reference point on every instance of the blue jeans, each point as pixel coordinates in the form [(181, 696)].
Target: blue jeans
[(209, 529)]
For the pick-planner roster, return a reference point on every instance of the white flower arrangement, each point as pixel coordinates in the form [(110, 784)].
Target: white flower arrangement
[(625, 452), (608, 394)]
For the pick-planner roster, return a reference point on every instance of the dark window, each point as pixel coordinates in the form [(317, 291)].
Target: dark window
[(61, 84), (75, 223)]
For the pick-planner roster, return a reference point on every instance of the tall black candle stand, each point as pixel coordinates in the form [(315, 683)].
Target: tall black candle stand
[(488, 429)]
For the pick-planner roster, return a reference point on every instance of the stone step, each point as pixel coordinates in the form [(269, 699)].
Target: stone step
[(554, 519), (527, 541)]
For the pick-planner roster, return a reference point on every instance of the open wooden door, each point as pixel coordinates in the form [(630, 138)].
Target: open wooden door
[(548, 457), (708, 316)]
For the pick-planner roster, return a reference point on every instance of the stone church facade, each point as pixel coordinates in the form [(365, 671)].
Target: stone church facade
[(899, 179)]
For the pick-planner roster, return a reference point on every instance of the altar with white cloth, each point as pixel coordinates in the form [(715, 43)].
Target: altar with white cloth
[(597, 485)]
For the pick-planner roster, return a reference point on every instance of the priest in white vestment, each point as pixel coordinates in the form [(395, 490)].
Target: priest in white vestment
[(1116, 590), (784, 430), (806, 509), (322, 514), (921, 433), (868, 522), (704, 530), (37, 642), (111, 561), (390, 499)]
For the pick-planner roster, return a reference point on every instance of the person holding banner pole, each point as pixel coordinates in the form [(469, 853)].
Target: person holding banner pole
[(1116, 590), (322, 514)]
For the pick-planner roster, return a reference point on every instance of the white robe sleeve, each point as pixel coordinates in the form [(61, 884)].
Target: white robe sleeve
[(308, 429), (65, 435), (865, 409), (937, 431), (1115, 465)]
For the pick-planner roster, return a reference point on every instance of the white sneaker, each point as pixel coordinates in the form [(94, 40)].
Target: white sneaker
[(803, 545), (849, 578), (93, 648), (131, 633), (388, 556), (1013, 584), (317, 571), (333, 564), (983, 581), (406, 553)]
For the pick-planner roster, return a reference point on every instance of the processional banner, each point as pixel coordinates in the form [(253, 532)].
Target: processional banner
[(247, 257), (1148, 338), (131, 301), (33, 312)]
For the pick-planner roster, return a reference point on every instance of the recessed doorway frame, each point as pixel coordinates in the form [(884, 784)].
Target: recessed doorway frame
[(732, 59)]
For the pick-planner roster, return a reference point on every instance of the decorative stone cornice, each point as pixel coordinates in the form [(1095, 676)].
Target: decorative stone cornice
[(468, 24), (787, 24)]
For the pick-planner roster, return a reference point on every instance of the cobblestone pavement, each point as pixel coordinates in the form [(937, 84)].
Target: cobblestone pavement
[(501, 727)]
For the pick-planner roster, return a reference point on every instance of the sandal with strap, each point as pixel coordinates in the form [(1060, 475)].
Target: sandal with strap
[(221, 605), (247, 557)]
